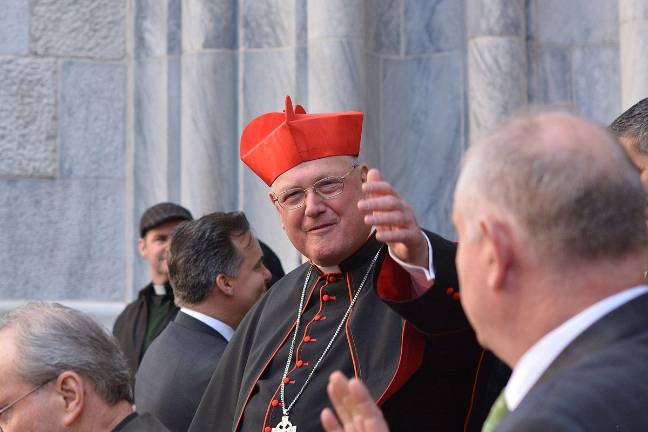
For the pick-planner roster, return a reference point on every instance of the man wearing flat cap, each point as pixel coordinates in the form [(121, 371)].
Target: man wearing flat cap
[(145, 318), (369, 265)]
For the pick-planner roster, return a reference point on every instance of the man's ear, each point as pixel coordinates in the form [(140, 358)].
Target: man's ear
[(277, 207), (364, 169), (71, 387), (498, 250), (224, 284), (141, 246)]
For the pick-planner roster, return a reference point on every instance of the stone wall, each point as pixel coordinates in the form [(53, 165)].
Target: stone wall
[(109, 106)]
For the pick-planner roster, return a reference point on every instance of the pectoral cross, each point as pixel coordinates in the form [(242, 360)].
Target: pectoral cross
[(284, 426)]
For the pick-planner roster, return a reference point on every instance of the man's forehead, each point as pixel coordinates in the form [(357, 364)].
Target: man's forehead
[(312, 168)]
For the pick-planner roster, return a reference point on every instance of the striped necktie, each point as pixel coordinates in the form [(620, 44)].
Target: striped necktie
[(498, 411)]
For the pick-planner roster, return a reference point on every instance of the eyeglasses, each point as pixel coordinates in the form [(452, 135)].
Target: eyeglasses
[(326, 188), (15, 402)]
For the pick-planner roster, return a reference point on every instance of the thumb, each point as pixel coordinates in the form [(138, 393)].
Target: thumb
[(374, 175)]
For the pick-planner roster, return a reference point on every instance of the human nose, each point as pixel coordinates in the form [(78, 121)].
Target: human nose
[(313, 203)]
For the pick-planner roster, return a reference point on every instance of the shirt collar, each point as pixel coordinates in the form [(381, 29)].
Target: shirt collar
[(218, 325), (539, 357)]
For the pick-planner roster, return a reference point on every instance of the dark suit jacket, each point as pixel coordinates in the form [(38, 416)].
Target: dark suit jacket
[(176, 369), (140, 423), (599, 383)]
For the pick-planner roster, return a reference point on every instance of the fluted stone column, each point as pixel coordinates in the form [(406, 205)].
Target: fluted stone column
[(208, 153), (336, 57), (156, 114), (497, 72), (633, 46), (273, 64)]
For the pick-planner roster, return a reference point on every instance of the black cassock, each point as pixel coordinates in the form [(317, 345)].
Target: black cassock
[(432, 377)]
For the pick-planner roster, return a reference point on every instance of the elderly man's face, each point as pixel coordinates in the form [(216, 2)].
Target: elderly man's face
[(640, 160), (325, 231), (36, 412)]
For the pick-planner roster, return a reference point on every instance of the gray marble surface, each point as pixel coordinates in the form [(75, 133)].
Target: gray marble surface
[(633, 53), (497, 81), (336, 19), (630, 10), (433, 26), (268, 77), (150, 28), (550, 74), (495, 18), (576, 21), (209, 25), (14, 27), (92, 113), (422, 133), (28, 117), (209, 143), (383, 26), (95, 29), (66, 239), (150, 133), (335, 75), (268, 23), (596, 83)]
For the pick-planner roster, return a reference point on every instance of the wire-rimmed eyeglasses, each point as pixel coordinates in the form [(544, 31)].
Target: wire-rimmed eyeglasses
[(326, 188), (13, 403)]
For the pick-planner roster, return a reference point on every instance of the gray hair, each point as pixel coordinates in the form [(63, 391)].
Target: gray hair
[(633, 124), (52, 338), (201, 250), (564, 182)]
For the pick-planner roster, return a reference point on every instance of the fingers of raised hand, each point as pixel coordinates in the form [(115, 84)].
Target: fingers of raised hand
[(391, 219), (381, 203), (338, 391), (378, 188), (330, 422)]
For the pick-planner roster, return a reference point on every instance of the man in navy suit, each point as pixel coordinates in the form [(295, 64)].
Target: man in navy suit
[(549, 212), (217, 273)]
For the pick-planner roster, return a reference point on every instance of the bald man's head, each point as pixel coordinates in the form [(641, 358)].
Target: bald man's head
[(564, 182)]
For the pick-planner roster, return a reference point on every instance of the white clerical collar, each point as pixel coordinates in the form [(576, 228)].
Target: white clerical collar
[(159, 289), (539, 357), (218, 325)]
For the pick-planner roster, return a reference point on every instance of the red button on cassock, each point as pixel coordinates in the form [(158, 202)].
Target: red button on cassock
[(325, 297), (299, 363), (274, 403), (267, 429), (318, 317), (286, 380), (307, 338)]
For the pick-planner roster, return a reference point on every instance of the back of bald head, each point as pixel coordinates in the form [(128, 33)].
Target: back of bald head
[(563, 182)]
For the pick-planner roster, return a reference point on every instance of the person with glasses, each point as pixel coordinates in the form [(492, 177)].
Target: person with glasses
[(60, 371), (342, 309)]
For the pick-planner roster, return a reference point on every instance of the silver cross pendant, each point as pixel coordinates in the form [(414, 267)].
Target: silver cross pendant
[(284, 426)]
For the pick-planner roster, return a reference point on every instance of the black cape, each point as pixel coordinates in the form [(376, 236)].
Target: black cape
[(437, 380)]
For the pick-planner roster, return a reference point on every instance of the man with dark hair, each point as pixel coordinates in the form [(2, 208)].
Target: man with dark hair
[(553, 285), (144, 318), (631, 128), (61, 372), (217, 273)]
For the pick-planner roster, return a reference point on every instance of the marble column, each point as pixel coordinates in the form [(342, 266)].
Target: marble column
[(497, 72), (156, 114), (208, 151), (336, 57), (633, 47)]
